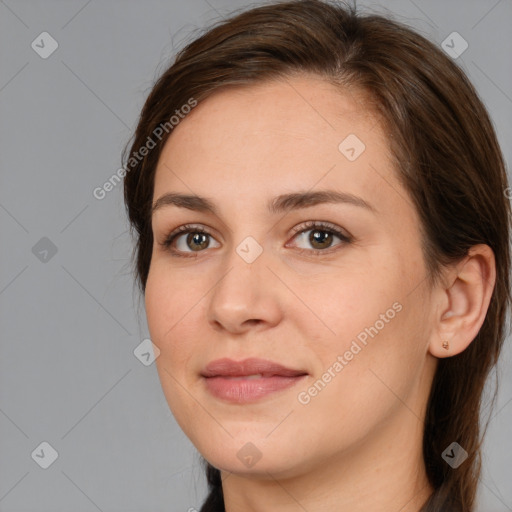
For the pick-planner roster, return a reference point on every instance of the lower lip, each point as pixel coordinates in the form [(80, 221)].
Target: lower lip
[(248, 390)]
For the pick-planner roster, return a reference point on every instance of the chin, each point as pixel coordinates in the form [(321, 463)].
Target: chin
[(260, 457)]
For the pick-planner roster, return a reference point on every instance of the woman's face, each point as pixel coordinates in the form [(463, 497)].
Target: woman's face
[(344, 305)]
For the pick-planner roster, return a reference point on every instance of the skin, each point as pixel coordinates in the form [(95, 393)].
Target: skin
[(356, 445)]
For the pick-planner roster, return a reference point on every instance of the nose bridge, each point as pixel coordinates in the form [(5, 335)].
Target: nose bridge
[(244, 292), (245, 273)]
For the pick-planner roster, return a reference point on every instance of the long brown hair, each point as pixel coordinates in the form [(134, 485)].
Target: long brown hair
[(446, 154)]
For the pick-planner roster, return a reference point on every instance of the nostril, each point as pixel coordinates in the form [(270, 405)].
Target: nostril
[(253, 322)]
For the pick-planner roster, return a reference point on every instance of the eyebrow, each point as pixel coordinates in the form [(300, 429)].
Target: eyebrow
[(279, 204)]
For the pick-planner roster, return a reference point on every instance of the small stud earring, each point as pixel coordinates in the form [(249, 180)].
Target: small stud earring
[(446, 345)]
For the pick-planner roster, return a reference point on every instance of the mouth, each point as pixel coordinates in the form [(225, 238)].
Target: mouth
[(249, 380)]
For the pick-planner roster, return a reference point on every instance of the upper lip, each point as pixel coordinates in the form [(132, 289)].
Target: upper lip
[(228, 368)]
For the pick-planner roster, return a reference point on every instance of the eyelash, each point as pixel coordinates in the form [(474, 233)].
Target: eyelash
[(308, 226)]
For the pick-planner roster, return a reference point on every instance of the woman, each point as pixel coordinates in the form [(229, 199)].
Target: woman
[(322, 240)]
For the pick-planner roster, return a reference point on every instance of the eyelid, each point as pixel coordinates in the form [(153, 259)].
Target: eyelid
[(184, 229), (322, 224), (344, 236)]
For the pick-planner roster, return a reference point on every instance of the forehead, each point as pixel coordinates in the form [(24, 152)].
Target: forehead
[(274, 137)]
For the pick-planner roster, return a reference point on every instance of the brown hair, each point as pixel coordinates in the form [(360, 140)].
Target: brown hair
[(446, 154)]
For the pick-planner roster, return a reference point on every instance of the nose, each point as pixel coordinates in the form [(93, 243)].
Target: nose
[(246, 296)]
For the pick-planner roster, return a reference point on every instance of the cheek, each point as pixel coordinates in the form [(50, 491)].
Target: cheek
[(343, 304), (169, 304), (357, 384), (372, 326)]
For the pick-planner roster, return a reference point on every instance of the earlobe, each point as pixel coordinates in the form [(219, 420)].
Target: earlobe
[(466, 297)]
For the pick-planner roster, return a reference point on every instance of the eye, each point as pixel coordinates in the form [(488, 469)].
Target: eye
[(321, 237), (196, 239)]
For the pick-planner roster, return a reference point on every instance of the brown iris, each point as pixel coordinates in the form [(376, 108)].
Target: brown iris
[(200, 239), (319, 236)]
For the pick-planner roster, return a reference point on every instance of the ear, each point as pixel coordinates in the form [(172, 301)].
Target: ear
[(463, 302)]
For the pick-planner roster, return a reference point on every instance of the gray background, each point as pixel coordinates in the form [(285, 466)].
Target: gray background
[(70, 321)]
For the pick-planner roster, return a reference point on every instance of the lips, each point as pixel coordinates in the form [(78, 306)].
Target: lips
[(253, 366), (248, 380)]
